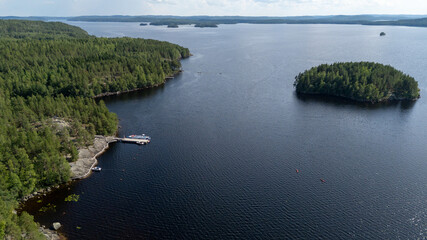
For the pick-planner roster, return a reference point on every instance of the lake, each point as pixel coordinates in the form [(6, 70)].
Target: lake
[(229, 133)]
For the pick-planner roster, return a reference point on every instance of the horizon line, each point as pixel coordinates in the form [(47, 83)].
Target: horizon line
[(169, 15)]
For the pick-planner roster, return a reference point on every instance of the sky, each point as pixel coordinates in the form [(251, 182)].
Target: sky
[(209, 7)]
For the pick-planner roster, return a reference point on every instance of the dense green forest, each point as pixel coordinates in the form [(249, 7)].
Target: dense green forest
[(85, 67), (361, 81), (49, 74)]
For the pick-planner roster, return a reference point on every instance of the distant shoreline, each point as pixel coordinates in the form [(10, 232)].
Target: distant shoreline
[(367, 19), (407, 20)]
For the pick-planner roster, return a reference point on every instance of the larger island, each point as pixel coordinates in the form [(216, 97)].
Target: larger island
[(360, 81), (50, 74)]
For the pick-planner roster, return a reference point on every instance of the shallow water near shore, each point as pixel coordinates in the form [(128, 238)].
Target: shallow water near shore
[(229, 133)]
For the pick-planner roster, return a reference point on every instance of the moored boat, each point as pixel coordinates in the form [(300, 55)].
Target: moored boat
[(141, 137), (96, 169)]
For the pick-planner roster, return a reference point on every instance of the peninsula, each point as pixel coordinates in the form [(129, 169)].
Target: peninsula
[(50, 74), (360, 81)]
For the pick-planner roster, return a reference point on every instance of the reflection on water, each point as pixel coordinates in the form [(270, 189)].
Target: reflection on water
[(136, 95), (339, 101)]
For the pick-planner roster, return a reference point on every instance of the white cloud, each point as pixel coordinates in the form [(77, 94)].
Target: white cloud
[(210, 7)]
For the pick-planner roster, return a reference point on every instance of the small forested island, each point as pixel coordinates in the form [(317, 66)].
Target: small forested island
[(143, 24), (360, 81), (382, 34), (206, 25), (172, 25), (50, 74)]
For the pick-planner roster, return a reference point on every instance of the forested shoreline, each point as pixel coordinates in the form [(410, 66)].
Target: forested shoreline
[(360, 81), (366, 19), (49, 74), (20, 29)]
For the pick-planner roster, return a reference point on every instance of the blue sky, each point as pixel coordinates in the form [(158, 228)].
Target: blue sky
[(209, 7)]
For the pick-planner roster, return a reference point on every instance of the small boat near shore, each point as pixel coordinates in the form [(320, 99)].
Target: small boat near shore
[(96, 169), (138, 139), (141, 137)]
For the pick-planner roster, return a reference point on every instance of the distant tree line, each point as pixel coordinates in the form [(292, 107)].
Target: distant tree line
[(174, 23), (399, 20), (361, 81), (421, 22), (20, 29), (49, 74), (206, 25)]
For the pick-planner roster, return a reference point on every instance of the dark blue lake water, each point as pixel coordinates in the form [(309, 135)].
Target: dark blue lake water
[(229, 133)]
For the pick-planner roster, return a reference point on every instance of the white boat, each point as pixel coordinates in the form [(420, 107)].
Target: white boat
[(142, 137), (96, 169)]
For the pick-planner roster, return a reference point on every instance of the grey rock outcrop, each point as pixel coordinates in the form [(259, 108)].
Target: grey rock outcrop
[(56, 225)]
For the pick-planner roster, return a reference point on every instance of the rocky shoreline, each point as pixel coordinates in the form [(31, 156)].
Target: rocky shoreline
[(87, 157), (79, 169), (50, 234), (82, 167)]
